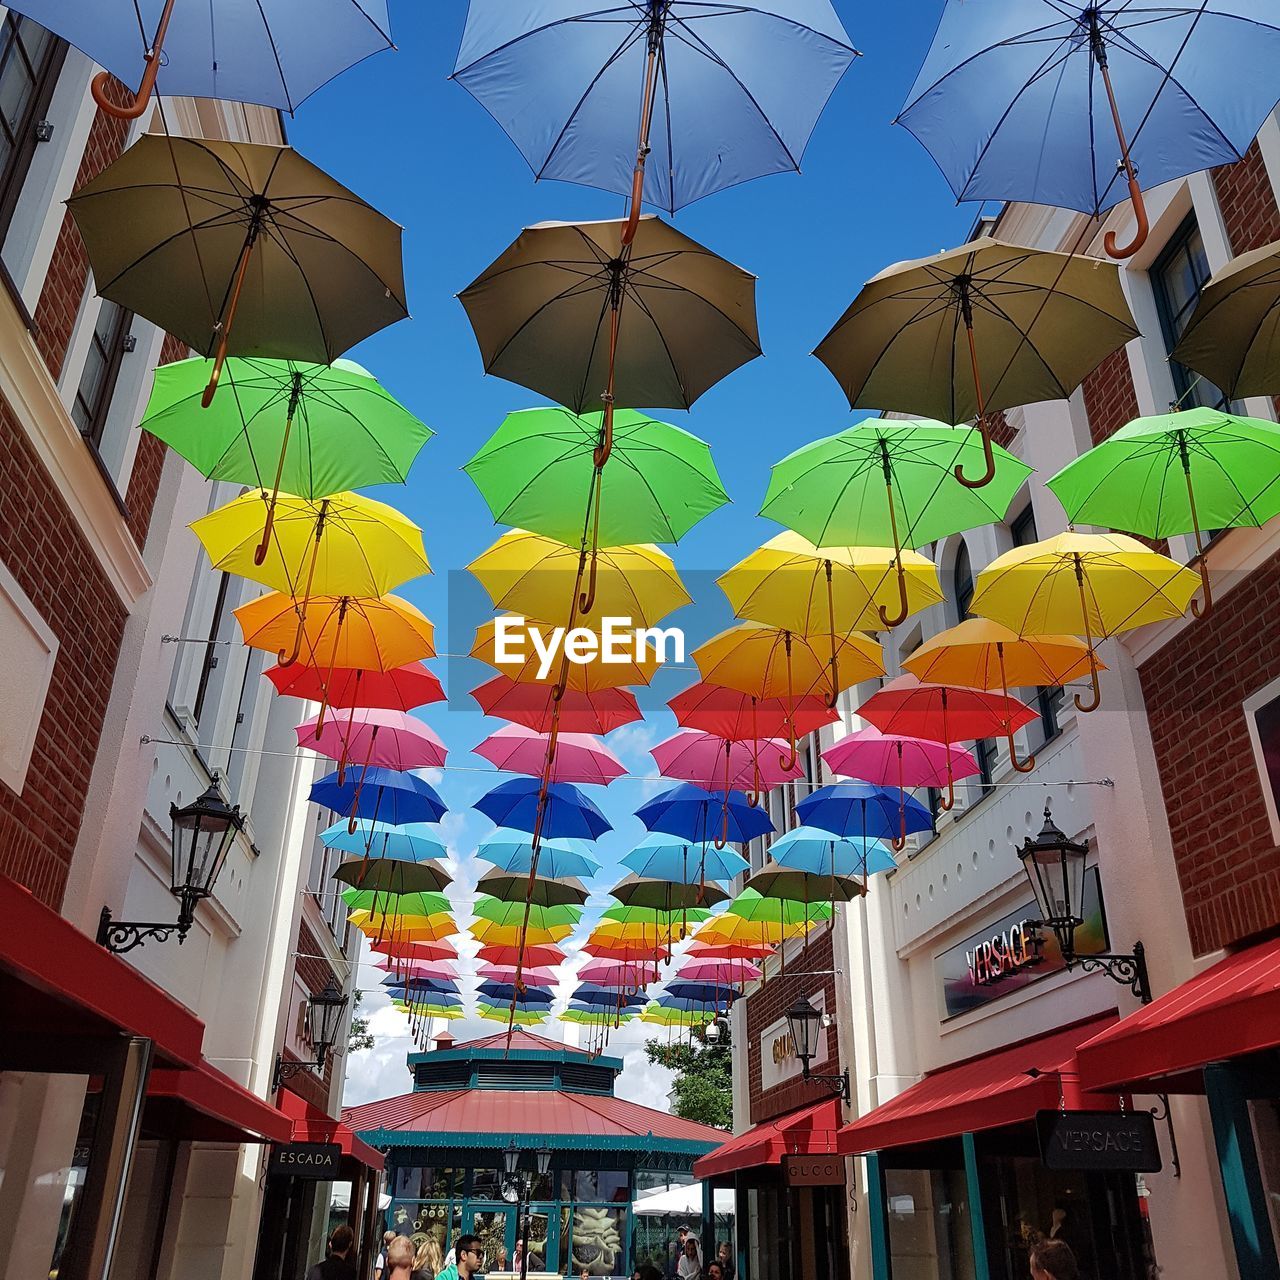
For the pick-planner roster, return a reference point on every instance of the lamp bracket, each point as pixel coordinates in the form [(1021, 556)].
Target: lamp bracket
[(839, 1083), (287, 1070), (1128, 970), (121, 936)]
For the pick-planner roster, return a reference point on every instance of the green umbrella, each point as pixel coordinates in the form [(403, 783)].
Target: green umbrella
[(1177, 473), (751, 904), (308, 429), (403, 904), (886, 483), (539, 891), (538, 472), (392, 876), (513, 913)]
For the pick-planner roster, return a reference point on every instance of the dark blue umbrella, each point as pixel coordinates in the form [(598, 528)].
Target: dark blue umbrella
[(696, 814), (420, 984), (275, 52), (506, 992), (707, 993), (863, 810), (418, 995), (732, 91), (382, 795), (603, 998), (1038, 100), (568, 813), (686, 1005)]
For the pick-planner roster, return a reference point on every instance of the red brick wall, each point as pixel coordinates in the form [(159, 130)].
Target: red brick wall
[(64, 286), (1248, 203), (1228, 864), (42, 547), (1110, 398), (148, 462), (1002, 431), (766, 1006)]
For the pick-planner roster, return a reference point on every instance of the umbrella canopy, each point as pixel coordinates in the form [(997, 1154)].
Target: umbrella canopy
[(552, 309), (564, 812), (512, 1017), (535, 706), (400, 689), (975, 330), (800, 886), (752, 907), (898, 760), (388, 926), (661, 1016), (722, 973), (665, 895), (418, 968), (605, 998), (864, 811), (512, 851), (414, 842), (498, 911), (626, 974), (538, 472), (539, 956), (704, 759), (1177, 473), (792, 584), (507, 973), (631, 660), (381, 795), (240, 249), (820, 853), (1095, 584), (579, 757), (1028, 101), (389, 739), (733, 716), (728, 951), (539, 890), (507, 993), (411, 952), (417, 905), (696, 814), (411, 986), (709, 994), (723, 95), (276, 53), (664, 857), (391, 875)]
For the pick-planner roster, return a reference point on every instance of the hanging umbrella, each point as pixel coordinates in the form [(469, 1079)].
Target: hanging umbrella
[(507, 973), (526, 997), (418, 968), (789, 885), (723, 973), (536, 642), (721, 94), (696, 814), (414, 951), (1090, 584), (391, 875), (602, 998), (665, 895), (733, 716), (400, 689), (513, 1017), (1178, 473), (540, 956), (382, 926), (624, 974), (565, 811), (1233, 335), (707, 994), (275, 54), (499, 912), (413, 842), (664, 857), (886, 483), (725, 951), (535, 706), (510, 887), (574, 313), (862, 810), (380, 795), (901, 761), (371, 633), (666, 1017), (1020, 102), (513, 851), (820, 853), (416, 905), (238, 248), (407, 987), (386, 739), (307, 429), (980, 654), (977, 329), (518, 937), (580, 757), (706, 760)]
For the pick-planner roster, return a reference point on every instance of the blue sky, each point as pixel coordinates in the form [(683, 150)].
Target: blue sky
[(419, 148)]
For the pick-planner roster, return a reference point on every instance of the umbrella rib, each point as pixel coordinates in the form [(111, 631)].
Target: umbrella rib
[(275, 54), (592, 16)]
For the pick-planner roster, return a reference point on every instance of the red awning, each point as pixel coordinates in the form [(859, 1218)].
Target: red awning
[(811, 1132), (205, 1105), (312, 1125), (983, 1093), (54, 978), (1227, 1011)]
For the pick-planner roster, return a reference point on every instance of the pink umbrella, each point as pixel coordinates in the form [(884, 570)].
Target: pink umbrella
[(508, 973), (417, 968), (724, 973), (623, 974), (579, 757), (754, 764), (375, 736), (892, 760)]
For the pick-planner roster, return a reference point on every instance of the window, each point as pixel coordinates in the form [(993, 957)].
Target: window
[(107, 347), (211, 654), (1048, 700), (30, 60), (1177, 278), (984, 752)]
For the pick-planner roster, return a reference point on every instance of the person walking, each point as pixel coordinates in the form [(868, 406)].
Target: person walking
[(1053, 1260), (469, 1260), (338, 1265)]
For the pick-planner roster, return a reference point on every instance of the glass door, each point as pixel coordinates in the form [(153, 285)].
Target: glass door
[(496, 1228)]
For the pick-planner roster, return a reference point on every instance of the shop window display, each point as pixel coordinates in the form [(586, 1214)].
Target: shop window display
[(929, 1228)]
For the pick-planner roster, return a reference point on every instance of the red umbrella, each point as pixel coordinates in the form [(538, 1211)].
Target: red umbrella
[(544, 956), (944, 713), (400, 689), (736, 717), (533, 706)]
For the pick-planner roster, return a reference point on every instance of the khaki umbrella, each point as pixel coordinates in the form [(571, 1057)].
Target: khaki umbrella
[(975, 330), (240, 249), (1233, 336)]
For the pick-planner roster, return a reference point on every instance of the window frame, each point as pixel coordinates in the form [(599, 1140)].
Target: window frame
[(112, 351)]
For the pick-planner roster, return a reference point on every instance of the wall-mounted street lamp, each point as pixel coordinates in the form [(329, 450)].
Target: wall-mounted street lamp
[(324, 1021), (203, 833), (805, 1022), (1055, 866), (517, 1189)]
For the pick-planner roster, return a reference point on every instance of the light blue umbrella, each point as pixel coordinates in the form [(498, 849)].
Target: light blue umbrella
[(1013, 98), (732, 91), (273, 52), (664, 857), (413, 842), (513, 851), (821, 853)]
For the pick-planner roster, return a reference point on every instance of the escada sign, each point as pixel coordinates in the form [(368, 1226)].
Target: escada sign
[(1122, 1141), (316, 1161)]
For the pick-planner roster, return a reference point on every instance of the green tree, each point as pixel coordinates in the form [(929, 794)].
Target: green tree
[(360, 1037), (703, 1088)]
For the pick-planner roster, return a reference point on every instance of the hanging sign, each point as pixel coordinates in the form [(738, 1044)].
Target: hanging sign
[(317, 1161), (1121, 1141), (778, 1061)]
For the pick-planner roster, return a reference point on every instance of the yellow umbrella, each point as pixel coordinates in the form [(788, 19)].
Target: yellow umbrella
[(403, 928), (981, 654), (1090, 584), (369, 633), (493, 934), (584, 677)]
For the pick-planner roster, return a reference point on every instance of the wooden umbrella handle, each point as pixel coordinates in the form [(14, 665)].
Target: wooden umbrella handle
[(989, 457), (134, 108)]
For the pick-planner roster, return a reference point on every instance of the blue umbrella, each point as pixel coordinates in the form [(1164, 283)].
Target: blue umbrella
[(421, 984), (688, 1006), (273, 52), (505, 993), (603, 998), (664, 857), (380, 795), (821, 853), (1031, 100), (568, 812), (861, 809), (513, 851), (706, 993), (422, 995), (732, 91), (413, 842), (696, 814)]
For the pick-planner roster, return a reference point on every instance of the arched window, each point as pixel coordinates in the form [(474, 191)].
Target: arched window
[(962, 582)]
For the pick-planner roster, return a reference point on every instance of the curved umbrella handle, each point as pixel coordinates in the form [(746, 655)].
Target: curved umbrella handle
[(1144, 226), (898, 843), (1096, 699), (723, 838), (288, 661), (260, 551), (788, 762), (588, 598), (1199, 610), (988, 456), (904, 606), (949, 802), (753, 799), (153, 57), (1022, 766)]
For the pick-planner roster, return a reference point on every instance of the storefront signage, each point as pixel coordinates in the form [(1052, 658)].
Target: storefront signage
[(318, 1161), (814, 1171), (778, 1061), (1124, 1141), (1012, 953)]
